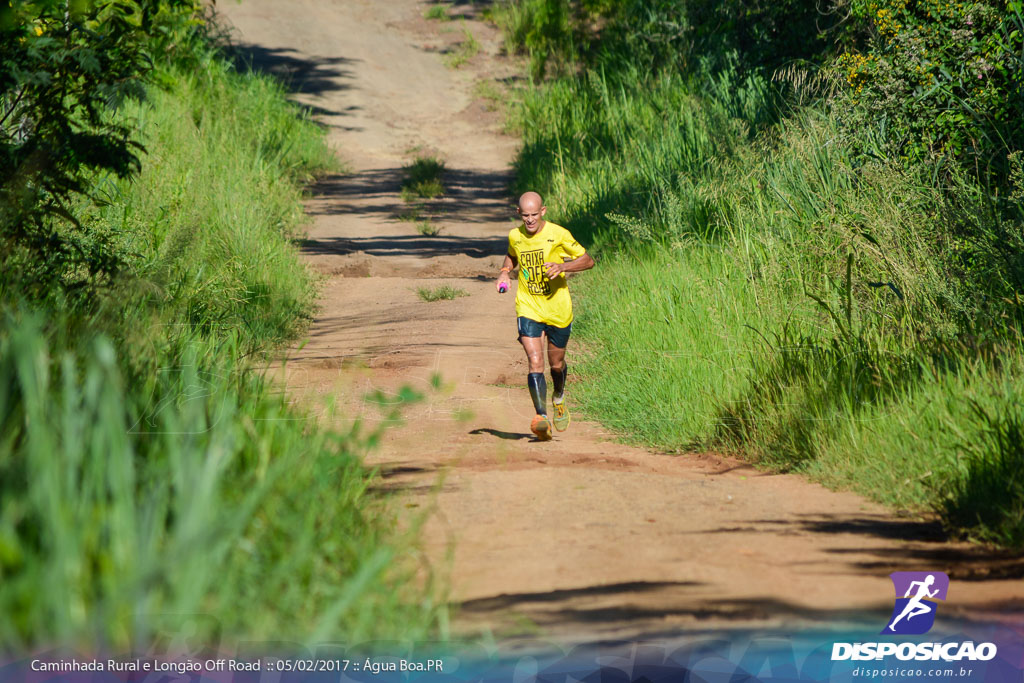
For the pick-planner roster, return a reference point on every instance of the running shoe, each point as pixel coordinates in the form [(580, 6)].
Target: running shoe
[(561, 419), (541, 427)]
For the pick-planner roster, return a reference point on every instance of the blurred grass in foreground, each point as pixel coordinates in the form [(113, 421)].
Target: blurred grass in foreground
[(147, 473)]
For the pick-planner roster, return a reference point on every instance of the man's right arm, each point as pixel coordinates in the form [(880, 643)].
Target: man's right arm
[(507, 267)]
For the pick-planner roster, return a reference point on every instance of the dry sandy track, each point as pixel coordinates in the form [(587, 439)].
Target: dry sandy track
[(582, 538)]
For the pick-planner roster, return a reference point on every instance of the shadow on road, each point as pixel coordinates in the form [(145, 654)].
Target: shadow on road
[(927, 546), (471, 196), (298, 73), (643, 607), (405, 245), (512, 436)]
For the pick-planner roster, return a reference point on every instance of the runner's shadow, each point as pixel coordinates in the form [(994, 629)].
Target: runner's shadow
[(513, 436)]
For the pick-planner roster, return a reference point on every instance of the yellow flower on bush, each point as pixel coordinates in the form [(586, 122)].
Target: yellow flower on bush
[(857, 67)]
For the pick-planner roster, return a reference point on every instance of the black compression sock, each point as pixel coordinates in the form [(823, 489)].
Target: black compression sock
[(558, 381), (538, 391)]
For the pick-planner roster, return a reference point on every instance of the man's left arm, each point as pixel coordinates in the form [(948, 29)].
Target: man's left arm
[(584, 262), (572, 249)]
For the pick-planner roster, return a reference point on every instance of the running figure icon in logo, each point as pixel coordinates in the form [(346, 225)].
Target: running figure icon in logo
[(920, 604)]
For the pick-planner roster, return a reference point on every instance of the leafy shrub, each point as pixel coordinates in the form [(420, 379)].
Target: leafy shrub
[(765, 35), (652, 34), (939, 79), (64, 67)]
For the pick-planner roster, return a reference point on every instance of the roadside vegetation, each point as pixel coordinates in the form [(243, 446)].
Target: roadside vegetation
[(440, 293), (437, 12), (811, 233), (488, 90), (423, 179), (428, 228), (464, 51), (150, 192)]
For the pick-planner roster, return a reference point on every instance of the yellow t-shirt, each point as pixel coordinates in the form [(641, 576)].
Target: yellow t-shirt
[(538, 297)]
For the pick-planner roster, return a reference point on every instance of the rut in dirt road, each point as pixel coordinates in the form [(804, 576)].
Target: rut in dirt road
[(581, 538)]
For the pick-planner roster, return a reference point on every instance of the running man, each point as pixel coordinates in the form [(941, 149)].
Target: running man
[(916, 605), (543, 252)]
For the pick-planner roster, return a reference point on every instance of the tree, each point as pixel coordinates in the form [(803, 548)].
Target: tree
[(65, 67)]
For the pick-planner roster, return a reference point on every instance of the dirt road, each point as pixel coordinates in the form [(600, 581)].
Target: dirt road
[(581, 538)]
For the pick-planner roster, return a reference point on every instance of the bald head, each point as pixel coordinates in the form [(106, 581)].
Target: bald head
[(532, 210), (530, 200)]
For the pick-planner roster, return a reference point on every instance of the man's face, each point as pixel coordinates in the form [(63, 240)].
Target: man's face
[(532, 214)]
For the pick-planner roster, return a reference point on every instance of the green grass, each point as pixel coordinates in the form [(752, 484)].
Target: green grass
[(464, 51), (203, 248), (489, 91), (428, 229), (437, 12), (538, 29), (194, 491), (411, 214), (987, 500), (668, 370), (440, 293), (807, 310), (146, 468), (423, 179)]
